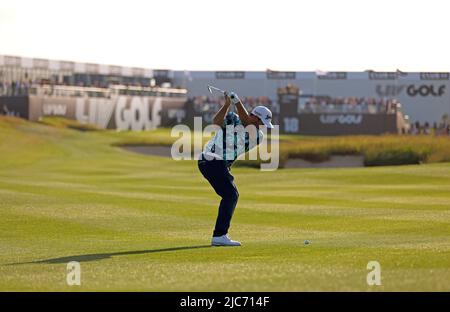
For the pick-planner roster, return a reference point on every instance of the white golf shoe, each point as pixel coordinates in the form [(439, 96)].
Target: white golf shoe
[(224, 240)]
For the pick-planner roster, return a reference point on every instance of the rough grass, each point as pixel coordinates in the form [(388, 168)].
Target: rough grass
[(143, 223), (60, 122), (377, 150), (381, 150)]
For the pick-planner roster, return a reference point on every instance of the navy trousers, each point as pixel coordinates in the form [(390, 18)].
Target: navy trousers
[(218, 175)]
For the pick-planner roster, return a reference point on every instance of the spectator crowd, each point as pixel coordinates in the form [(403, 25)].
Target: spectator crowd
[(325, 104), (208, 106), (441, 128), (15, 88), (24, 87)]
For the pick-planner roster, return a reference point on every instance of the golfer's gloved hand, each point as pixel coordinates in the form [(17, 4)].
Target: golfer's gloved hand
[(226, 94), (234, 97)]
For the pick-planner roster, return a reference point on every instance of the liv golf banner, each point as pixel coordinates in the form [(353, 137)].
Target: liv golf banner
[(121, 112)]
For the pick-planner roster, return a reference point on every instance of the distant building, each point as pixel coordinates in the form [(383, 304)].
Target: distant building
[(32, 70), (423, 96)]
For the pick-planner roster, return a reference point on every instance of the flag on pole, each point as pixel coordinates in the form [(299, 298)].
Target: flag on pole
[(400, 73)]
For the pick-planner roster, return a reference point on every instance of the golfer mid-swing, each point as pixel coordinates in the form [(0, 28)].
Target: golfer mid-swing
[(222, 150)]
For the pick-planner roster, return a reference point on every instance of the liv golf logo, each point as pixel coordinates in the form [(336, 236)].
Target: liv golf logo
[(423, 90), (129, 113), (341, 119), (122, 113)]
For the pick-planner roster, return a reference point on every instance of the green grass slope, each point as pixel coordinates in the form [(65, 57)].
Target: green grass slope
[(143, 223)]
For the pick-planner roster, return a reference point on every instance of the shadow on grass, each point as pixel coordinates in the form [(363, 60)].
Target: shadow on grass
[(102, 256)]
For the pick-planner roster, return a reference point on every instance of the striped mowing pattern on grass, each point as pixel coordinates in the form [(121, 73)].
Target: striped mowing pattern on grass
[(137, 222)]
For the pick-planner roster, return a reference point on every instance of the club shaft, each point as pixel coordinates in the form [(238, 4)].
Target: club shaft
[(217, 89)]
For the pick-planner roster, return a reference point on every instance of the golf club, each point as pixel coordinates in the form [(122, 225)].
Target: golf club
[(211, 88)]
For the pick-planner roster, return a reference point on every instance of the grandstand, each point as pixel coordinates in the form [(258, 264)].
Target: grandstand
[(301, 102), (108, 96), (206, 106), (424, 96)]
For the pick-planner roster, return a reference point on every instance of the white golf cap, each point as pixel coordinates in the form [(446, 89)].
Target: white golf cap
[(264, 114)]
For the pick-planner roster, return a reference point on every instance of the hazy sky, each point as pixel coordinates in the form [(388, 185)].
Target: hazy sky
[(234, 34)]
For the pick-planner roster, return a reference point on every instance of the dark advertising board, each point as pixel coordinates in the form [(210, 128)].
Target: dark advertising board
[(121, 112), (329, 123), (131, 113), (339, 124), (270, 74), (332, 75), (288, 98), (230, 75), (51, 106), (16, 106), (434, 76), (382, 75)]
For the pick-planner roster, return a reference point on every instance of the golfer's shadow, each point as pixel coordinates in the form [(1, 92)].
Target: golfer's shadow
[(102, 256)]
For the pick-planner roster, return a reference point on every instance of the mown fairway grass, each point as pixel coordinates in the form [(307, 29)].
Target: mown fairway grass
[(137, 222)]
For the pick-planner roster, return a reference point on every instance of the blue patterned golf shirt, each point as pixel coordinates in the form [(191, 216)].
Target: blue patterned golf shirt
[(237, 140)]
